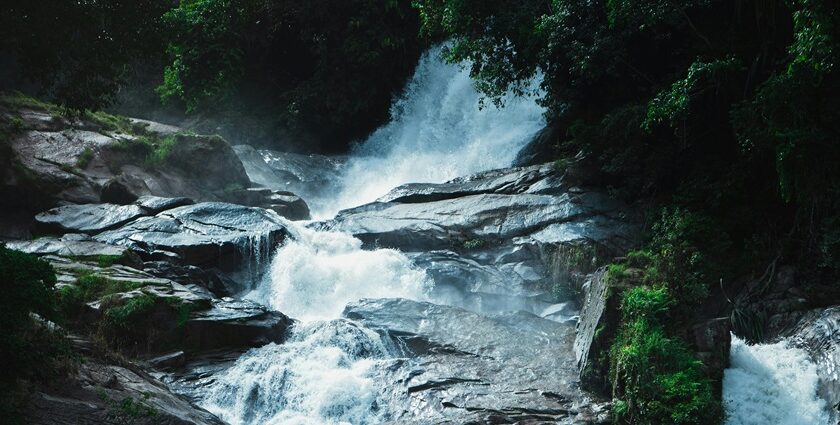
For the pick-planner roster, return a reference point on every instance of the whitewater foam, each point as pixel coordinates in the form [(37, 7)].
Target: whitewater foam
[(315, 275), (437, 132), (320, 376), (771, 384)]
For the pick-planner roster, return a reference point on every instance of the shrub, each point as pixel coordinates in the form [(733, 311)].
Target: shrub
[(84, 158), (29, 349), (657, 379)]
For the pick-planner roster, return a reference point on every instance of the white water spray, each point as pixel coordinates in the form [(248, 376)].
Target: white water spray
[(325, 373), (320, 376), (314, 276), (771, 384), (437, 132)]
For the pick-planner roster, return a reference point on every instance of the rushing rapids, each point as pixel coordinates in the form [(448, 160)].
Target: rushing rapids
[(772, 384), (431, 303)]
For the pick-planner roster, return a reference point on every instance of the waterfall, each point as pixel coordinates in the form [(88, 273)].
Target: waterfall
[(332, 370), (319, 272), (321, 375), (325, 373), (771, 384), (437, 132)]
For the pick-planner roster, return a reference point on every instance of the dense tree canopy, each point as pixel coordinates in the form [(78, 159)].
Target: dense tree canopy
[(316, 70), (723, 112)]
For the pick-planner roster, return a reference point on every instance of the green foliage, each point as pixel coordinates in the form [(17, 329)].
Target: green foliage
[(322, 66), (123, 319), (671, 107), (160, 152), (76, 52), (28, 284), (687, 250), (206, 50), (657, 379), (30, 349), (151, 151), (84, 158), (474, 243), (128, 409)]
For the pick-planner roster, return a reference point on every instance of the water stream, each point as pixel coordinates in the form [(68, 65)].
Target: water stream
[(333, 370), (771, 384)]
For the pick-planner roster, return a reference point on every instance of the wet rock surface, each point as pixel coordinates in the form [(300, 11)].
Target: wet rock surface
[(308, 175), (54, 161), (498, 234), (87, 218), (107, 392), (210, 233), (284, 203), (471, 368)]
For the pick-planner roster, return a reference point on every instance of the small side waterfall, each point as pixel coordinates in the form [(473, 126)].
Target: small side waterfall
[(771, 384)]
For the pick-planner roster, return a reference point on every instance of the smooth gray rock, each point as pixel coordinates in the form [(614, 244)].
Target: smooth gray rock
[(87, 218), (284, 203), (500, 204), (466, 367), (205, 234), (235, 324), (156, 204), (311, 176), (96, 392), (67, 248)]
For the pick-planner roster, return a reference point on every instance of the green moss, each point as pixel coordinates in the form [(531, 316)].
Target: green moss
[(160, 151), (473, 243), (17, 100), (84, 158), (109, 122), (616, 272), (95, 286), (127, 315)]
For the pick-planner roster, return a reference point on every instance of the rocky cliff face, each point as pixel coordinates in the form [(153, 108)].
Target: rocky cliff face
[(49, 160)]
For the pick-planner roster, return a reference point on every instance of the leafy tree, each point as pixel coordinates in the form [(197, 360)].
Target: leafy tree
[(77, 52)]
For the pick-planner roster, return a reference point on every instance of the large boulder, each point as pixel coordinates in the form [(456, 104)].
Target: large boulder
[(50, 160), (500, 204), (523, 234), (463, 367), (311, 175), (71, 245), (87, 218), (235, 324), (107, 392), (206, 234), (286, 204)]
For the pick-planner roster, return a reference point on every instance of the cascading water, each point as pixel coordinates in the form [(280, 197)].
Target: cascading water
[(437, 132), (317, 274), (326, 373), (771, 384)]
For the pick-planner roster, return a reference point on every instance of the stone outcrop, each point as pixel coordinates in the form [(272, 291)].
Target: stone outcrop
[(206, 234), (500, 239), (506, 369), (308, 175), (51, 160), (284, 203), (107, 391)]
